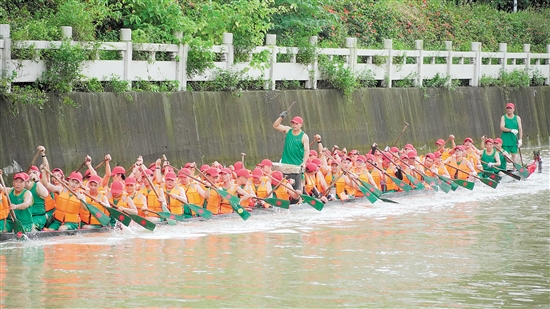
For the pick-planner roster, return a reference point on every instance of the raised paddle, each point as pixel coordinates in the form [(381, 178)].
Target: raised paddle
[(163, 205), (404, 128), (233, 200), (18, 228), (311, 201), (505, 172), (33, 160), (82, 165), (242, 158), (523, 172), (100, 164), (103, 218)]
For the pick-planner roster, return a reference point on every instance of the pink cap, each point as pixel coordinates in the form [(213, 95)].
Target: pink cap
[(257, 173), (297, 120), (370, 157), (510, 105), (430, 156), (489, 140), (184, 172), (76, 176), (238, 165), (440, 142), (411, 154), (311, 167), (96, 179), (316, 162), (437, 154), (278, 176), (188, 165), (468, 139), (170, 176), (34, 168), (265, 162), (353, 152), (243, 173), (459, 147), (212, 171), (204, 167), (313, 153), (408, 146), (225, 170), (23, 176), (130, 181), (362, 159), (117, 187), (498, 140), (394, 149), (346, 158), (118, 170), (149, 172)]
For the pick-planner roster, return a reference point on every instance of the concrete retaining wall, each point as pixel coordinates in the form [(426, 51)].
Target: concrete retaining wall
[(208, 126)]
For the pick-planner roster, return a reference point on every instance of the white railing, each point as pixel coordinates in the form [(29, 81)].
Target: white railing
[(382, 64)]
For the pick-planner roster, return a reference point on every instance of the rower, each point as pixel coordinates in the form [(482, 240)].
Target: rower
[(88, 221), (376, 174), (243, 190), (39, 193), (174, 194), (363, 173), (153, 202), (314, 182), (4, 209), (139, 200), (194, 193), (281, 190), (440, 167), (117, 198), (20, 202), (458, 166), (66, 215), (489, 158), (444, 152), (335, 177)]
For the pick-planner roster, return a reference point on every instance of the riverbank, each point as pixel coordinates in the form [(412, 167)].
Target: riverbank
[(208, 126)]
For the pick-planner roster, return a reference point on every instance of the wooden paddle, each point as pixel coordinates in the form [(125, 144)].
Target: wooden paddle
[(418, 184), (505, 172), (311, 201), (444, 185), (103, 219), (400, 183), (523, 172), (470, 185), (82, 165), (115, 213), (18, 228), (163, 205), (205, 213), (404, 128), (412, 179), (33, 160)]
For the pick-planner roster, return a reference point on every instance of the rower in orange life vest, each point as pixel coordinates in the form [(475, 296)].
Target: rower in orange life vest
[(213, 199), (4, 209), (193, 191), (439, 166), (137, 197), (336, 179), (472, 153), (458, 166), (21, 200), (174, 194), (88, 221), (440, 144), (315, 184), (376, 174), (67, 212), (242, 188), (281, 187), (261, 185), (120, 200), (363, 173), (154, 202)]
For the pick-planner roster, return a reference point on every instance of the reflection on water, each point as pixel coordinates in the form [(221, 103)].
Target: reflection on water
[(480, 250)]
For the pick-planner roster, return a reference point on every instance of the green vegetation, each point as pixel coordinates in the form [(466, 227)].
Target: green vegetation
[(202, 23)]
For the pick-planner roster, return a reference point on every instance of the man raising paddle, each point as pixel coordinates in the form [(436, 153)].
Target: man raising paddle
[(296, 149)]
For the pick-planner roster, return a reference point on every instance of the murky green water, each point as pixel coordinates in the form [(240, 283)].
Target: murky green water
[(469, 249)]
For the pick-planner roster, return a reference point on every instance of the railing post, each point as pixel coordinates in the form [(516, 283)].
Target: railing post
[(126, 36), (351, 44), (271, 41), (527, 49), (419, 46), (476, 47), (181, 62), (227, 41), (67, 33), (503, 48), (314, 66), (548, 64), (388, 46), (449, 49), (5, 53)]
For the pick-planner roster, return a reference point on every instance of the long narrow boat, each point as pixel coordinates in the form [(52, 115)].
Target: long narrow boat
[(46, 234)]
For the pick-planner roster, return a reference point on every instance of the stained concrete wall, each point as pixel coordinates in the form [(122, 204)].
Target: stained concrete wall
[(208, 126)]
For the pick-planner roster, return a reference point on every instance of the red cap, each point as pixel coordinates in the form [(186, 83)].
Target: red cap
[(437, 154), (411, 154), (489, 140), (257, 173), (313, 153), (117, 187), (23, 176), (370, 156), (57, 169), (34, 168), (394, 149), (204, 167), (404, 156), (408, 146), (316, 162), (238, 165), (184, 172), (265, 162), (498, 140), (510, 105), (362, 158), (86, 173), (431, 156), (298, 120), (118, 170), (332, 162), (188, 165), (225, 170), (76, 176), (346, 158), (212, 171), (153, 166), (170, 176), (387, 156), (130, 181), (311, 167), (149, 172), (278, 176), (468, 139), (440, 142), (459, 147), (353, 152), (96, 179), (243, 173)]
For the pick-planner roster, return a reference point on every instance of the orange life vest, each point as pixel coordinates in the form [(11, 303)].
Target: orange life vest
[(175, 206), (49, 202), (86, 216), (261, 189), (456, 174), (340, 184), (280, 192), (67, 208), (152, 201), (4, 206), (137, 198)]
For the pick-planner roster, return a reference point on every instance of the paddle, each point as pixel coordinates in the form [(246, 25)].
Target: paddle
[(491, 175), (33, 160), (18, 228), (233, 200), (404, 128), (417, 183), (163, 205), (274, 201), (205, 213), (470, 185), (523, 172), (400, 183), (103, 219), (505, 172), (82, 165), (167, 215), (406, 187), (115, 213), (311, 201), (242, 158), (444, 185)]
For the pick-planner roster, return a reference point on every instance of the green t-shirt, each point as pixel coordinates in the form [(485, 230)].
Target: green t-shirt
[(508, 138), (23, 215), (293, 151), (37, 208)]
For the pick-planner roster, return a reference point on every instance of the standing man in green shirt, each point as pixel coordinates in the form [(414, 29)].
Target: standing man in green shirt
[(296, 148), (512, 131)]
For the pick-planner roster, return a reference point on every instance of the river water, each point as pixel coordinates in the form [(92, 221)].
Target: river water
[(486, 248)]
